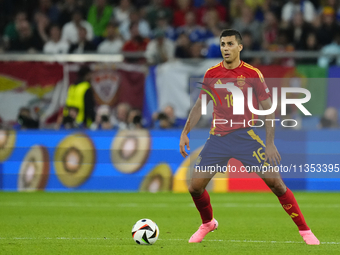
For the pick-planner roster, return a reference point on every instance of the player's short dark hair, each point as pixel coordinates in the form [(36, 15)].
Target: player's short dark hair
[(231, 32)]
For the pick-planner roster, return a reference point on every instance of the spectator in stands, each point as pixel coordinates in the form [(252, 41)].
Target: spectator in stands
[(49, 9), (259, 7), (140, 4), (283, 45), (311, 45), (316, 23), (25, 119), (335, 4), (143, 26), (163, 121), (122, 12), (167, 119), (294, 6), (247, 22), (155, 10), (183, 46), (103, 118), (6, 12), (183, 7), (170, 112), (11, 30), (170, 4), (333, 48), (299, 29), (160, 49), (99, 16), (195, 32), (41, 24), (113, 44), (211, 5), (136, 44), (196, 50), (70, 29), (83, 45), (214, 27), (134, 119), (67, 9), (249, 45), (28, 40), (236, 9), (330, 118), (80, 96), (270, 29), (2, 45), (122, 111), (55, 45), (69, 121), (328, 28), (163, 24)]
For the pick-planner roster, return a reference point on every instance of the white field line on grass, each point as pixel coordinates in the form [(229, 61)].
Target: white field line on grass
[(184, 240), (170, 205)]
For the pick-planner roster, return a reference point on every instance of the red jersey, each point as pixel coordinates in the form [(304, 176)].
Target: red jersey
[(243, 77)]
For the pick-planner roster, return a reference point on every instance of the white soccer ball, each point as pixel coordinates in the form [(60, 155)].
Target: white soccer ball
[(145, 231)]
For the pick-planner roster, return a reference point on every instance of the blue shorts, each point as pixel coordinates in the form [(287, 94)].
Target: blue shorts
[(243, 144)]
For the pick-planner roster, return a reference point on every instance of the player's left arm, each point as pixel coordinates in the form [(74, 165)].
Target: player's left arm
[(272, 155)]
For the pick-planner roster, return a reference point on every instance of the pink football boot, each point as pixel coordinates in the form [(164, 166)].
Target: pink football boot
[(203, 230), (309, 237)]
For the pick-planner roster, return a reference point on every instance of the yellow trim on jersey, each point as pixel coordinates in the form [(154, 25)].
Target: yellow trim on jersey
[(252, 119), (213, 67), (256, 70), (210, 69), (212, 131), (255, 137)]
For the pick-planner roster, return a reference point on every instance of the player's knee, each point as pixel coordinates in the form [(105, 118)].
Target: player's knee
[(195, 191), (278, 187)]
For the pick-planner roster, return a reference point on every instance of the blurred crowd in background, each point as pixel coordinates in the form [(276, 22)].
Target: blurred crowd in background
[(167, 29), (162, 30), (80, 112)]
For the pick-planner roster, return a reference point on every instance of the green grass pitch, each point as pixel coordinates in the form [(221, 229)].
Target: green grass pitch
[(101, 223)]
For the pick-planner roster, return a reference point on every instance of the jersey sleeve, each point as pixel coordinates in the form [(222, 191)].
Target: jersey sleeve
[(260, 87), (205, 87)]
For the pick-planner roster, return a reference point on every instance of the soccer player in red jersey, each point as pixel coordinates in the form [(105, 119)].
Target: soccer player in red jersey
[(236, 138)]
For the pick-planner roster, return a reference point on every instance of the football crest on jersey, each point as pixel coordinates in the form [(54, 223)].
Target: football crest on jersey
[(241, 80)]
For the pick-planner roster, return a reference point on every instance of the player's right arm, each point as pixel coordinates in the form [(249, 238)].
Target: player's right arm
[(194, 117)]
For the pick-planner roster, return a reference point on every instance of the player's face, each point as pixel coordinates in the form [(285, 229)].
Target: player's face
[(230, 49)]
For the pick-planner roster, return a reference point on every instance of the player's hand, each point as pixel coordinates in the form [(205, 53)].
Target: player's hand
[(272, 155), (184, 141)]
